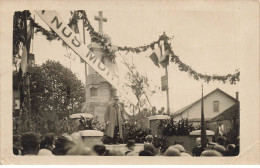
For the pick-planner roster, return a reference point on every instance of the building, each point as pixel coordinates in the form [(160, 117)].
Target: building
[(228, 119), (215, 103)]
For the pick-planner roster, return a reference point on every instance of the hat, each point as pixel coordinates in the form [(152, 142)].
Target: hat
[(220, 148), (149, 138), (172, 152), (179, 147), (210, 153), (130, 143)]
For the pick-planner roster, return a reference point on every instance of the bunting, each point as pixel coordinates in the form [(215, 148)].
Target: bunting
[(170, 55)]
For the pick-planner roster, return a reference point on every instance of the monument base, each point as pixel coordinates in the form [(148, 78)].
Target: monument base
[(123, 148), (91, 137)]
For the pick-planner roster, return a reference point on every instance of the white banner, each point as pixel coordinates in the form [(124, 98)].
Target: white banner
[(68, 36)]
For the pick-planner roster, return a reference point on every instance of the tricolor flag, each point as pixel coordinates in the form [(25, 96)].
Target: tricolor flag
[(160, 55)]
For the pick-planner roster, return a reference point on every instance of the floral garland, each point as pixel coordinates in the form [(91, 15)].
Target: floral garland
[(107, 46), (95, 36), (232, 78), (51, 35)]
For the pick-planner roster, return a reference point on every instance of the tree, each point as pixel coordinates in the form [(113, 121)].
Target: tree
[(56, 92), (139, 84)]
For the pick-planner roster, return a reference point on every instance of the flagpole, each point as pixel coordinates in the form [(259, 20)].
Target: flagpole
[(86, 65), (167, 90), (27, 76), (203, 126)]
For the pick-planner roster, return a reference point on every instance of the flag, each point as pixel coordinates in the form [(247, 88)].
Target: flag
[(203, 133), (156, 55), (24, 61), (29, 31), (165, 62), (74, 27), (155, 60), (162, 55)]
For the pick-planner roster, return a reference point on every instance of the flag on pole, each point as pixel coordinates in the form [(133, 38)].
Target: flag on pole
[(155, 56), (24, 63), (203, 133), (74, 27), (155, 60), (26, 47)]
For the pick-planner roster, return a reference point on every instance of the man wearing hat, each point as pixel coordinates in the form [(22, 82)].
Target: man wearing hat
[(114, 117)]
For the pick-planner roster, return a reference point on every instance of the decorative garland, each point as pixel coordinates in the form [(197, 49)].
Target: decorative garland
[(107, 46), (95, 36)]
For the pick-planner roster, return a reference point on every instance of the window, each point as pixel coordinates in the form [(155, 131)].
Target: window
[(216, 106), (93, 92)]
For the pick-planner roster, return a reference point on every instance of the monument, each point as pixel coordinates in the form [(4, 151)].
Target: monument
[(99, 92)]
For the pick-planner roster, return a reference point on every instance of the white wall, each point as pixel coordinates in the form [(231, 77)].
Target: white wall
[(195, 111)]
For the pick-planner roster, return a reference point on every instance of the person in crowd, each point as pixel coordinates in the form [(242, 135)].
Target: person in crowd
[(231, 150), (80, 150), (130, 148), (145, 153), (221, 149), (237, 149), (221, 140), (78, 147), (149, 139), (171, 151), (185, 154), (100, 150), (115, 153), (114, 117), (151, 148), (30, 144), (62, 145), (197, 150), (179, 147), (209, 153), (46, 145), (182, 150), (17, 145)]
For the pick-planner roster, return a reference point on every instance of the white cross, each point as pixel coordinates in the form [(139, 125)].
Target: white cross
[(100, 20)]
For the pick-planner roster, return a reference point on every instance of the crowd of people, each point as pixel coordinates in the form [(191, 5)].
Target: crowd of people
[(36, 144)]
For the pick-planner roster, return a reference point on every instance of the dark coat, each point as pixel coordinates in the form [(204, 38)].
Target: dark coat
[(110, 115)]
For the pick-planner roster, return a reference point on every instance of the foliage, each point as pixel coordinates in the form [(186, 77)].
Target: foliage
[(141, 119), (18, 35), (198, 127), (89, 124), (160, 143), (56, 93), (169, 127), (139, 84), (132, 132)]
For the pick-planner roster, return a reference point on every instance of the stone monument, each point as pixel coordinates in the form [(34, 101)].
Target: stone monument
[(99, 91)]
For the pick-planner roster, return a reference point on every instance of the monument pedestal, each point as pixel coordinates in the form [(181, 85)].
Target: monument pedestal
[(154, 121), (123, 148), (91, 137)]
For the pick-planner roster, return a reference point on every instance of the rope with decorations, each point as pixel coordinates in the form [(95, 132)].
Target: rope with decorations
[(107, 46)]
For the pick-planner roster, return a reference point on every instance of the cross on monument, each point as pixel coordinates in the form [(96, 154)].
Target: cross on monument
[(100, 19)]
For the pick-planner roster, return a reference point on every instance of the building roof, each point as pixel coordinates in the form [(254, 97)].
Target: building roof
[(229, 114), (190, 105)]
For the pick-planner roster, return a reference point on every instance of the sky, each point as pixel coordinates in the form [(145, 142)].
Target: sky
[(206, 40)]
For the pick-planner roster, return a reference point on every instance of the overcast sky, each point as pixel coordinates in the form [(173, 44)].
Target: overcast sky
[(206, 40)]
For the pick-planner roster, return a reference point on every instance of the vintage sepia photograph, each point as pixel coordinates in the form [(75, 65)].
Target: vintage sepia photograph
[(158, 81)]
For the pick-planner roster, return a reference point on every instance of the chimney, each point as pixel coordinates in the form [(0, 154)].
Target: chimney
[(237, 96)]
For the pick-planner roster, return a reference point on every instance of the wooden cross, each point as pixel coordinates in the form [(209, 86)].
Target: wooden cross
[(100, 20)]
